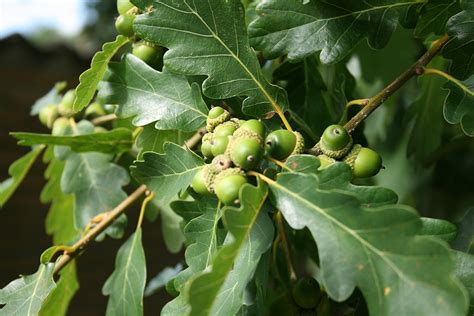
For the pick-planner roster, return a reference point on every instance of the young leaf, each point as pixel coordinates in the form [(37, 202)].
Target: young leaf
[(110, 142), (209, 38), (25, 295), (300, 29), (94, 180), (52, 97), (438, 228), (220, 291), (126, 284), (153, 96), (17, 171), (460, 48), (57, 302), (160, 280), (91, 77), (459, 105), (169, 173), (201, 236), (434, 15), (376, 249)]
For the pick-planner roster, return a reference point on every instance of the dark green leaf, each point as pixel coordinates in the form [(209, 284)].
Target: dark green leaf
[(461, 47), (142, 4), (126, 285), (465, 273), (25, 295), (201, 237), (300, 29), (52, 97), (153, 96), (57, 302), (151, 139), (438, 228), (464, 240), (220, 291), (434, 15), (89, 79), (169, 173), (160, 280), (18, 171), (375, 249), (459, 105), (110, 142), (209, 38)]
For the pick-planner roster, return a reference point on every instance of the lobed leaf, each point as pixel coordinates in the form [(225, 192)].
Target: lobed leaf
[(169, 173), (220, 291), (126, 284), (201, 236), (89, 80), (434, 15), (460, 49), (110, 142), (374, 248), (438, 228), (209, 38), (300, 29), (151, 139), (163, 277), (465, 273), (152, 96), (459, 105), (18, 170), (25, 295)]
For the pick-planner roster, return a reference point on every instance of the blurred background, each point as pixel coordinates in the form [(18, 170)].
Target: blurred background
[(43, 42)]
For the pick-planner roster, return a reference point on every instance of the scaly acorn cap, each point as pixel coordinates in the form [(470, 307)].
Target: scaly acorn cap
[(352, 155), (212, 123), (207, 137), (227, 172), (299, 146), (239, 134), (325, 161), (336, 154), (219, 164)]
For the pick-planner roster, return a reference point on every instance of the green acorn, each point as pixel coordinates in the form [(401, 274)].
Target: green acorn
[(227, 187), (219, 145), (306, 292), (199, 183), (60, 126), (364, 162), (48, 115), (246, 152), (217, 115), (210, 171), (281, 144), (226, 129), (206, 145), (335, 142)]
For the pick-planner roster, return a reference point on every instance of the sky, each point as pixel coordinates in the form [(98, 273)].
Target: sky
[(25, 16)]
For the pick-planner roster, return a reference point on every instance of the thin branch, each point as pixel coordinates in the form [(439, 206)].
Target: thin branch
[(94, 232), (284, 243), (104, 119), (195, 139), (378, 99)]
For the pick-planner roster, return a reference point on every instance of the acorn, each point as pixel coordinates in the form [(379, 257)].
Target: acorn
[(216, 116), (206, 145), (335, 142), (363, 161), (210, 171), (281, 144)]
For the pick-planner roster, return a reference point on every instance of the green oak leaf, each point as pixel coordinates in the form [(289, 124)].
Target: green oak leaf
[(152, 139), (169, 173), (201, 237), (18, 170), (152, 96), (464, 240), (142, 4), (434, 15), (164, 276), (94, 180), (52, 97), (438, 228), (57, 302), (109, 142), (459, 105), (465, 273), (374, 248), (220, 291), (126, 284), (209, 38), (308, 109), (90, 79), (426, 113), (460, 49), (300, 29), (25, 295)]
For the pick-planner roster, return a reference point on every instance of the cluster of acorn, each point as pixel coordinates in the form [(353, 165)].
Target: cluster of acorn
[(336, 144), (233, 147), (124, 25)]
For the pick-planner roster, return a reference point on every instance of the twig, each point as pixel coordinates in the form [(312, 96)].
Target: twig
[(432, 71), (94, 232), (378, 99), (284, 243), (104, 119), (195, 139)]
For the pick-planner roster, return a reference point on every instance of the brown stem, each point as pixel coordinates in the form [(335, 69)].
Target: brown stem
[(104, 119), (378, 99), (285, 245), (195, 139), (94, 232)]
